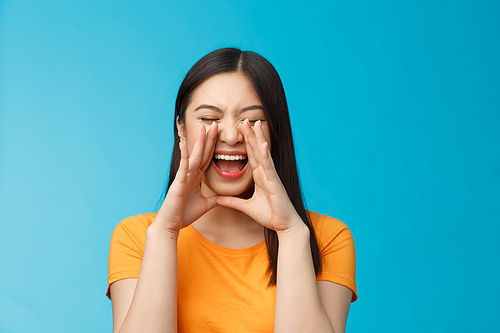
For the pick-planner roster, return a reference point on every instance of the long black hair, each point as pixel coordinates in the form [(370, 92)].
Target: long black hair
[(269, 88)]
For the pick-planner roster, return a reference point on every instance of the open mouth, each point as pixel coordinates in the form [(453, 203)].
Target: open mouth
[(230, 163)]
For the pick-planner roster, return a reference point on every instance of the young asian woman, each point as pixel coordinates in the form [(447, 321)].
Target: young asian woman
[(232, 248)]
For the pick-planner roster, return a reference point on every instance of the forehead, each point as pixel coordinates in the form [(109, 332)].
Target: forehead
[(226, 91)]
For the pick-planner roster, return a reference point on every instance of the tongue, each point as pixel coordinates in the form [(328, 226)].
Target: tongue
[(230, 166)]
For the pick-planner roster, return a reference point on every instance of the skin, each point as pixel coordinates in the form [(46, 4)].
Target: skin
[(228, 100), (224, 114)]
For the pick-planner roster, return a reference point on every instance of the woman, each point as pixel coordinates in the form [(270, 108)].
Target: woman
[(232, 248)]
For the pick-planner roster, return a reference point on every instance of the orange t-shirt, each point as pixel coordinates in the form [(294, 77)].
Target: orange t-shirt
[(225, 290)]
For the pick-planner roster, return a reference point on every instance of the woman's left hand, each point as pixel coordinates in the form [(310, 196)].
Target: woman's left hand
[(269, 204)]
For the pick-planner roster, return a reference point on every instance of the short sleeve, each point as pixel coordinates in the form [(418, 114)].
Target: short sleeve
[(127, 247), (337, 251)]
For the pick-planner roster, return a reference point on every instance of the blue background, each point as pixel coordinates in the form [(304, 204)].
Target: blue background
[(395, 110)]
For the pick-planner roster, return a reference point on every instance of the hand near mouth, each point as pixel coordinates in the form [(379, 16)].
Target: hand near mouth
[(185, 190), (269, 204)]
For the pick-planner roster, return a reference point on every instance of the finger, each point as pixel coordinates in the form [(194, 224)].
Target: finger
[(264, 153), (259, 133), (209, 146), (268, 165), (197, 153), (251, 150), (248, 131), (234, 202), (266, 160), (184, 164), (251, 141), (250, 154)]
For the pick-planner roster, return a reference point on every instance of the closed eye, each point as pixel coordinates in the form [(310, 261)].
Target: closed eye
[(253, 121), (209, 120)]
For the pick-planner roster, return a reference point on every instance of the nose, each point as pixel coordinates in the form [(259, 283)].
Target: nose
[(230, 133)]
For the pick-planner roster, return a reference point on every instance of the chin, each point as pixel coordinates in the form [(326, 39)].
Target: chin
[(232, 191), (247, 194), (238, 188)]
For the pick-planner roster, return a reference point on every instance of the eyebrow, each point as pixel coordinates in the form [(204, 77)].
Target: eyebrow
[(214, 108), (210, 107)]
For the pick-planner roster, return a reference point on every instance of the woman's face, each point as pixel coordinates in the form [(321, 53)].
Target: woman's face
[(227, 99)]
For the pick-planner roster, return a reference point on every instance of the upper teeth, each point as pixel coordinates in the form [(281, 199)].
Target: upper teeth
[(230, 157)]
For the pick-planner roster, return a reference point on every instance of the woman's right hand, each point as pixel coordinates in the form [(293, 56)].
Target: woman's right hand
[(149, 303), (184, 202)]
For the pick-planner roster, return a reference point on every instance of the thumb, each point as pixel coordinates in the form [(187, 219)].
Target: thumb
[(233, 202), (211, 202)]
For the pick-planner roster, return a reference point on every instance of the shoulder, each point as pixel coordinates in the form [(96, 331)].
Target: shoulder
[(336, 246), (329, 229), (133, 227), (137, 222), (126, 248), (320, 221)]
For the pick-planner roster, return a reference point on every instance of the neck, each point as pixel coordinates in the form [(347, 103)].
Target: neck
[(230, 228), (223, 219)]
